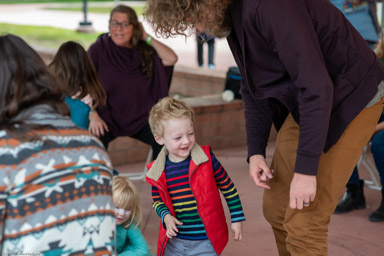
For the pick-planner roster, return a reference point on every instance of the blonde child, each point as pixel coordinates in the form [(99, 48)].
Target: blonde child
[(72, 64), (185, 179), (129, 239)]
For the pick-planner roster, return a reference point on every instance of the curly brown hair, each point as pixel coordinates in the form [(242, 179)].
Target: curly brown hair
[(174, 17), (146, 51)]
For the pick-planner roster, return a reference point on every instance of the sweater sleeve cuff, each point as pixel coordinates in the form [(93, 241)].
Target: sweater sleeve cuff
[(162, 218), (306, 164), (240, 219), (255, 151)]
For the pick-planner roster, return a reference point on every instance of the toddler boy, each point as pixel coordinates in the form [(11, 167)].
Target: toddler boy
[(185, 179)]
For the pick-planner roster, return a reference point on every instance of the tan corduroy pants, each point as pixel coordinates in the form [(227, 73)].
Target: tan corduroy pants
[(304, 232)]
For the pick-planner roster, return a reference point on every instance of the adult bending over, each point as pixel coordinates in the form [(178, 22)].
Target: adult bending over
[(306, 70), (135, 71), (55, 178)]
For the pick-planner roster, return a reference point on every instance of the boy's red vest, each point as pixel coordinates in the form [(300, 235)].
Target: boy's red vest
[(205, 190)]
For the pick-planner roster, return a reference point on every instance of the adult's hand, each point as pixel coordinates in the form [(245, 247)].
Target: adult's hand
[(97, 126), (303, 190), (259, 171)]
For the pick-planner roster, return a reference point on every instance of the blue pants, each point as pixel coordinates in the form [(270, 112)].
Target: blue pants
[(377, 149), (200, 50), (182, 247)]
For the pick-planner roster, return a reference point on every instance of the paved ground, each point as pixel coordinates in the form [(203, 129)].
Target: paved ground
[(349, 234)]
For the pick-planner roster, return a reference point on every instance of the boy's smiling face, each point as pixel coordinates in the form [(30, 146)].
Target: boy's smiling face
[(178, 138)]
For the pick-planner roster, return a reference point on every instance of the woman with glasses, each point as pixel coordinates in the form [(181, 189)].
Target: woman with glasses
[(135, 71)]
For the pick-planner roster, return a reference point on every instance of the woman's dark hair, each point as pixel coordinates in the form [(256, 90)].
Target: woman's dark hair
[(146, 51), (25, 81), (72, 64)]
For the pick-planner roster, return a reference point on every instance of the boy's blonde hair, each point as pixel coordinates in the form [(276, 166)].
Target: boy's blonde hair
[(125, 196), (166, 109)]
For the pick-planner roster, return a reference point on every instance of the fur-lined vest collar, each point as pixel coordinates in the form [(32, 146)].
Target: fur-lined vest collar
[(197, 154)]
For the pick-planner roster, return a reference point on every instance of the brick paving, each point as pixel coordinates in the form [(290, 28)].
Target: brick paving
[(350, 234)]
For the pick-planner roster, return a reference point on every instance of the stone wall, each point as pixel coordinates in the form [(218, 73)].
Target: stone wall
[(192, 82), (217, 123)]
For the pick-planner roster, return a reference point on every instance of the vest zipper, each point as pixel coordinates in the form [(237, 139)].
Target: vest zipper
[(162, 245), (197, 206)]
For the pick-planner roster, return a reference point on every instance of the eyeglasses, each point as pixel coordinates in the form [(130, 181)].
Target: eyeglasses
[(115, 24)]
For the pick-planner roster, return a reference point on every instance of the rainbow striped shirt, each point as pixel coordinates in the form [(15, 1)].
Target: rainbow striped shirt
[(184, 202)]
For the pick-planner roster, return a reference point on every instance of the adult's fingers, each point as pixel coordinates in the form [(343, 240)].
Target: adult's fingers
[(259, 178), (307, 201)]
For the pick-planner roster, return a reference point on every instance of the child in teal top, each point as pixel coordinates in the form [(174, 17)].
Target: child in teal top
[(129, 239), (84, 90)]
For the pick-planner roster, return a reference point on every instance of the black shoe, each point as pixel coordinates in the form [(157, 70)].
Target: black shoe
[(353, 200), (378, 215)]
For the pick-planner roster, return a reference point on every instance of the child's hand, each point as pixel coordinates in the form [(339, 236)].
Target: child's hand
[(97, 126), (170, 223), (237, 229)]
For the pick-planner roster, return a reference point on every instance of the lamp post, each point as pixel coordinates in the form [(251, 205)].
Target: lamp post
[(85, 26)]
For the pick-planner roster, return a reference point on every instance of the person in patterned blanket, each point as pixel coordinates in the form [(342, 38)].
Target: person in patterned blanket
[(55, 178)]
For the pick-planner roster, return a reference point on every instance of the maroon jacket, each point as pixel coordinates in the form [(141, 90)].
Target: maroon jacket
[(303, 57), (130, 94)]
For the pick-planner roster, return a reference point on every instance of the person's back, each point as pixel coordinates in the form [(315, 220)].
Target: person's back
[(55, 178), (56, 191), (84, 91)]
